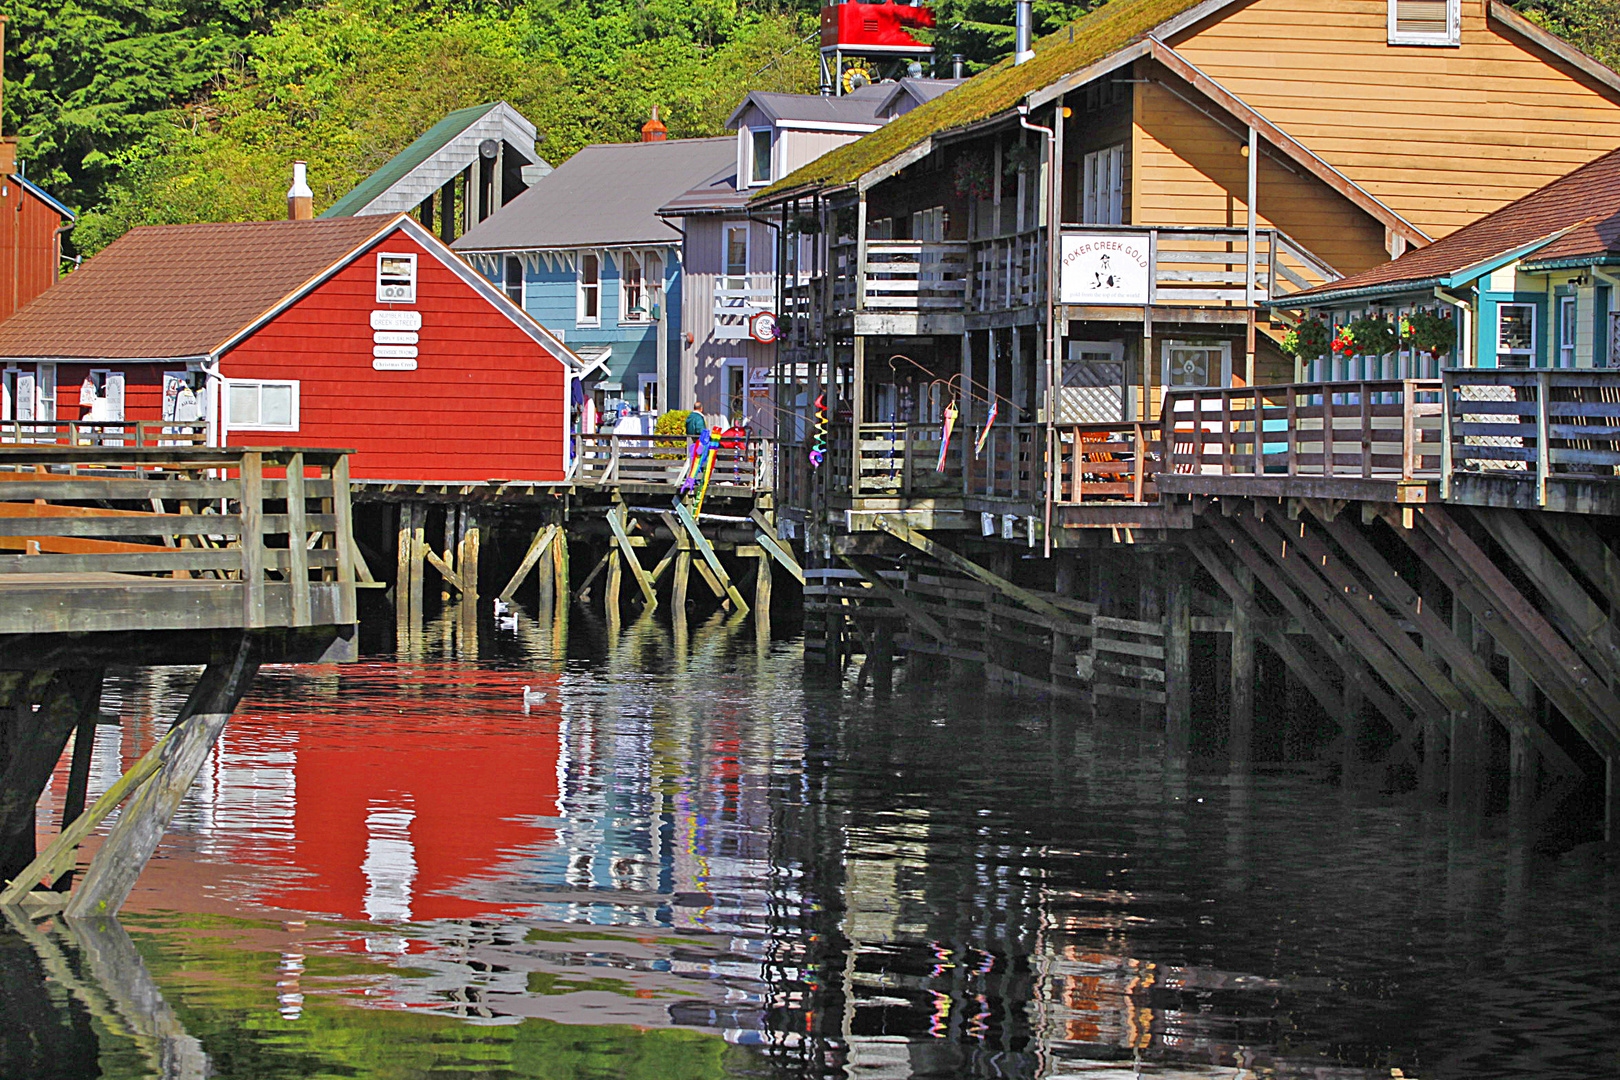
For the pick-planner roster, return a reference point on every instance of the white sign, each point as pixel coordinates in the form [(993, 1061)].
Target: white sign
[(394, 352), (394, 337), (385, 364), (1104, 268), (759, 383), (762, 326), (396, 320)]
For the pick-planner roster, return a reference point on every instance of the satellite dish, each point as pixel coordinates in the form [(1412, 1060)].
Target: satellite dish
[(488, 148)]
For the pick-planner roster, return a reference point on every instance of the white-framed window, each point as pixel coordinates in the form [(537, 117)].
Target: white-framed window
[(1102, 189), (512, 279), (185, 396), (1425, 22), (647, 386), (736, 256), (733, 388), (589, 311), (396, 277), (102, 396), (1568, 331), (1515, 335), (261, 404), (1190, 364), (758, 164), (634, 304)]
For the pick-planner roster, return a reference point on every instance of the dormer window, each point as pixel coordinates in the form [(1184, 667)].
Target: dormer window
[(759, 156), (1425, 22)]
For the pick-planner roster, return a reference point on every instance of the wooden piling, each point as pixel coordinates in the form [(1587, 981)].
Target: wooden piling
[(1470, 735), (1240, 737), (43, 711), (1177, 657), (125, 852), (417, 547)]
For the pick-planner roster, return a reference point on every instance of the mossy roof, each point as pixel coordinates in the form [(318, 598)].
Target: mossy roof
[(1094, 36)]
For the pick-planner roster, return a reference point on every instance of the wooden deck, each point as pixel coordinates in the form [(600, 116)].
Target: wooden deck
[(137, 541)]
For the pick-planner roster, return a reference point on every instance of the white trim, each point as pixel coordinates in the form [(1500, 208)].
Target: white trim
[(726, 276), (643, 380), (749, 152), (237, 424), (580, 318), (837, 127), (1528, 355), (397, 293), (1452, 35), (1568, 308)]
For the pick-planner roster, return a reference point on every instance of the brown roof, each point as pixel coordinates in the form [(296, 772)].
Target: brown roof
[(1581, 210), (179, 290)]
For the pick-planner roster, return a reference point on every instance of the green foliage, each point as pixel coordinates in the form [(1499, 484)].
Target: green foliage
[(983, 31), (1593, 26), (1308, 340), (672, 423), (346, 84), (1429, 331), (1373, 335)]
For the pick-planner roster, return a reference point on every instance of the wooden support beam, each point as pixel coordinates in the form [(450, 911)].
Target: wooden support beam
[(1240, 590), (297, 538), (1470, 735), (1242, 549), (616, 519), (1573, 687), (445, 570), (615, 578), (1177, 658), (403, 550), (915, 611), (1580, 543), (1468, 670), (777, 550), (469, 553), (595, 571), (1284, 550), (539, 546), (1241, 671), (1568, 605), (701, 543), (928, 546), (36, 731), (418, 544), (127, 848)]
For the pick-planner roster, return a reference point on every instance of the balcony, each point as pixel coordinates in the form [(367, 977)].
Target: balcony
[(1177, 266)]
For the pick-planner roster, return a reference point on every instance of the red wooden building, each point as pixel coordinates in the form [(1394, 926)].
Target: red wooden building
[(31, 226), (366, 333)]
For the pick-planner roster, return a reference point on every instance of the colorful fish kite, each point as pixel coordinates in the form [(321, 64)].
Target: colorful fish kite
[(945, 439)]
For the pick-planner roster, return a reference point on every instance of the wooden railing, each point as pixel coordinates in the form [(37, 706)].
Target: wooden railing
[(1107, 462), (607, 459), (1008, 271), (133, 433), (1374, 429), (909, 275), (1535, 424), (1210, 266), (274, 524)]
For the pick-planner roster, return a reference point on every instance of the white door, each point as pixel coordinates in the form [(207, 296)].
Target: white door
[(1092, 389), (1102, 192)]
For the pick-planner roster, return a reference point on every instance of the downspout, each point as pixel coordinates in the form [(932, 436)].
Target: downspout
[(215, 382), (1053, 182)]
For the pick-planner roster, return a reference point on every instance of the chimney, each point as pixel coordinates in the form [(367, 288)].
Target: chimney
[(300, 200), (956, 65), (1024, 53), (654, 130)]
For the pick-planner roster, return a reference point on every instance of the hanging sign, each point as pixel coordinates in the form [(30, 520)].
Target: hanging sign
[(396, 320), (386, 363), (762, 327), (1104, 268), (759, 384)]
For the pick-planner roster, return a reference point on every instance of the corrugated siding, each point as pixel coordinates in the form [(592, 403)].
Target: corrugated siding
[(1442, 135), (1189, 170), (28, 244), (486, 400), (800, 148)]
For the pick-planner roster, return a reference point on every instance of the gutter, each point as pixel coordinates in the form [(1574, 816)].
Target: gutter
[(1322, 299)]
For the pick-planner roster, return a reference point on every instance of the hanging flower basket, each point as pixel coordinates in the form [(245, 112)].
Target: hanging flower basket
[(1373, 335), (1430, 332), (1308, 340)]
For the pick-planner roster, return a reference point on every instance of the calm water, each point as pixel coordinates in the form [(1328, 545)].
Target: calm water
[(692, 859)]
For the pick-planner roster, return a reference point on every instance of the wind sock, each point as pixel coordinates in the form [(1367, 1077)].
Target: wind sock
[(818, 448), (708, 471), (945, 439), (989, 421)]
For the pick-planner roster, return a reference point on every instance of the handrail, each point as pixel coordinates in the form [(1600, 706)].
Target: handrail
[(137, 433), (608, 458), (260, 518), (1535, 424)]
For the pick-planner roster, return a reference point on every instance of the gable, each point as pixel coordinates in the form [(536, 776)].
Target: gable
[(1440, 134)]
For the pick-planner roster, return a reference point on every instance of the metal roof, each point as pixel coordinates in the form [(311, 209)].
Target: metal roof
[(717, 194), (856, 107), (921, 91), (440, 154), (606, 195), (43, 196)]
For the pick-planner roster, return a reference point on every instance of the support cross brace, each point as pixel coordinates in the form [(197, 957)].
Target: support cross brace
[(936, 550)]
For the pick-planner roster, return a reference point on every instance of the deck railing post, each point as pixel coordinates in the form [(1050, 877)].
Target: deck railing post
[(1543, 450), (1327, 429), (1447, 390), (1259, 432), (297, 534), (1140, 480), (252, 539), (1409, 464)]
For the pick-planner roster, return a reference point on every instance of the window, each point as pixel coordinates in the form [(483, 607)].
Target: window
[(1515, 335), (1566, 331), (512, 279), (590, 290), (734, 387), (396, 278), (1197, 363), (759, 155), (1102, 199), (736, 257), (261, 405), (635, 307), (101, 395), (1425, 22), (185, 396), (648, 385)]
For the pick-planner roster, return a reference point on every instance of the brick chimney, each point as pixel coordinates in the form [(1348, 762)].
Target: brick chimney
[(654, 130), (300, 200)]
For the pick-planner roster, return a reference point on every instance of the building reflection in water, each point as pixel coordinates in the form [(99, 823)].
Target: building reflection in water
[(689, 831)]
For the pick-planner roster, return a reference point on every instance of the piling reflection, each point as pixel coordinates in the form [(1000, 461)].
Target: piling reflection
[(679, 832)]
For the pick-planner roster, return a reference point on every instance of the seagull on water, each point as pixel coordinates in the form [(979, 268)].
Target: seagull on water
[(532, 696)]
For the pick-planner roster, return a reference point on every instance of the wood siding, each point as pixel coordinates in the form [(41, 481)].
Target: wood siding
[(30, 250), (704, 263), (1440, 134), (486, 401), (1190, 170)]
